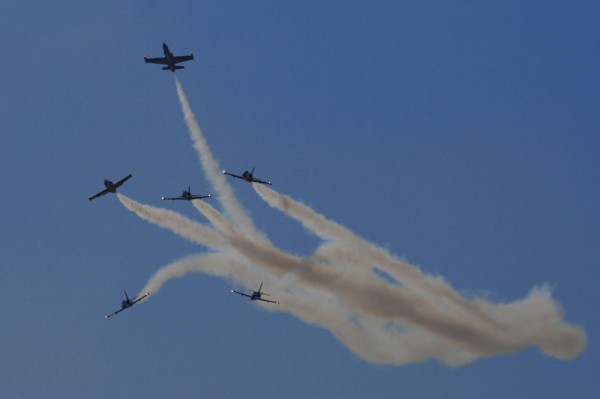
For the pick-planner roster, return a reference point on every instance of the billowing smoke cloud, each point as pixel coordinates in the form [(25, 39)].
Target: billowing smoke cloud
[(407, 317)]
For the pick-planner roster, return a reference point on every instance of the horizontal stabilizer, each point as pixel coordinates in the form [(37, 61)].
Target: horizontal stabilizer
[(176, 67)]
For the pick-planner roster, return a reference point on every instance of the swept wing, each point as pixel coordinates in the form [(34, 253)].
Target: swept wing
[(101, 193), (123, 180), (241, 293), (187, 198), (249, 178)]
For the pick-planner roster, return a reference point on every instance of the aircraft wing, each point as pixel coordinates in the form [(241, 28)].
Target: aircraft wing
[(113, 313), (241, 293), (100, 194), (140, 298), (182, 58), (255, 180), (231, 174), (193, 197), (266, 300), (123, 180), (158, 60)]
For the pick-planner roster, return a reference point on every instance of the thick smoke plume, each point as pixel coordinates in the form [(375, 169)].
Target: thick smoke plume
[(406, 317)]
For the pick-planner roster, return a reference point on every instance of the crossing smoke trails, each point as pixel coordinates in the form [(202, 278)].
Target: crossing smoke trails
[(405, 317), (211, 169)]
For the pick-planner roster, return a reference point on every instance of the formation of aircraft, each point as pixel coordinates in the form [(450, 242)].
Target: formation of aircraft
[(110, 187), (186, 196), (169, 59), (256, 295), (127, 303), (248, 176)]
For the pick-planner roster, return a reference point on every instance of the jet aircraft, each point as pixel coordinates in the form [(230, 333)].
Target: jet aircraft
[(186, 196), (249, 177), (169, 59), (127, 303), (256, 295), (110, 187)]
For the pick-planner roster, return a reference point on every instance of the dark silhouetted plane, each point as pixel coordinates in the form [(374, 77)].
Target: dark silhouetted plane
[(186, 196), (256, 295), (127, 303), (169, 59), (249, 177), (110, 187)]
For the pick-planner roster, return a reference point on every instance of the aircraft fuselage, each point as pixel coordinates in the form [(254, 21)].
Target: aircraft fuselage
[(110, 186), (169, 57)]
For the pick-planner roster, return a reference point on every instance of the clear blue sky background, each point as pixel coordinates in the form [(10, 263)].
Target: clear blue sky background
[(462, 136)]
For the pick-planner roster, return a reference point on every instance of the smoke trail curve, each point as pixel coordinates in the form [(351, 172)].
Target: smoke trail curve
[(419, 318)]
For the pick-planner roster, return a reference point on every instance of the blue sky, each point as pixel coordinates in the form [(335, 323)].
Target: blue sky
[(460, 136)]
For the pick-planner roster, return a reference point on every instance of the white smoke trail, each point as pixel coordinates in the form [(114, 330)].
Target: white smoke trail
[(512, 328), (179, 224), (217, 264), (367, 337), (218, 221), (353, 250), (356, 249), (211, 169), (420, 318)]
